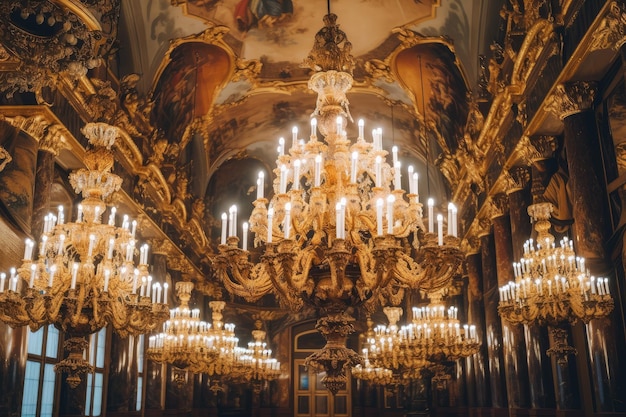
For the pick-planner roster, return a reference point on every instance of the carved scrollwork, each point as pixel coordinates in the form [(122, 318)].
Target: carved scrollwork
[(611, 33), (5, 158), (571, 98)]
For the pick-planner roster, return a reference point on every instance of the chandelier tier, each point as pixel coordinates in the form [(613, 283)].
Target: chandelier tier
[(339, 231), (552, 285), (85, 276)]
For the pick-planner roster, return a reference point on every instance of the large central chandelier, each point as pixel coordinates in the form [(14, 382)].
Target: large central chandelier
[(85, 276), (339, 231), (552, 285)]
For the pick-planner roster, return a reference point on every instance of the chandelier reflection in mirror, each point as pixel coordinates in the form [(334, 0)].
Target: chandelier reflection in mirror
[(552, 285), (339, 231), (189, 343), (85, 276)]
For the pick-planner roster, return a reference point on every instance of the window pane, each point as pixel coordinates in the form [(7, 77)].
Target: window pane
[(341, 404), (139, 393), (101, 346), (140, 342), (52, 344), (318, 381), (303, 405), (47, 394), (31, 389), (35, 341), (89, 394), (97, 395), (321, 404), (303, 383)]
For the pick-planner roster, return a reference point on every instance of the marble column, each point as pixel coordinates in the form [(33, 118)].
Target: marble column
[(514, 348), (493, 327), (541, 390), (122, 381), (573, 103), (476, 365)]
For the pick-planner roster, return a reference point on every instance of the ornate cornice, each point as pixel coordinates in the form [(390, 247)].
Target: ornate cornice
[(498, 205), (611, 32), (571, 98), (54, 140), (517, 178)]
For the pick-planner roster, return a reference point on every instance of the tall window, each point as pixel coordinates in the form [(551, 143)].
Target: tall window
[(95, 380), (140, 371), (40, 381)]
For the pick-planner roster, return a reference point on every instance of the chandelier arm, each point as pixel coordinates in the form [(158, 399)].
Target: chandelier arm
[(407, 271)]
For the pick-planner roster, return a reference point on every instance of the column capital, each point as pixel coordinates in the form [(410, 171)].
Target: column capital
[(537, 147), (498, 206), (53, 141), (516, 178), (571, 98)]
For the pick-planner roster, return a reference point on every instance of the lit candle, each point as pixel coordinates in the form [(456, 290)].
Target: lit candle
[(390, 200), (134, 228), (361, 126), (411, 180), (149, 286), (355, 159), (107, 276), (296, 174), (343, 217), (397, 175), (3, 278), (224, 225), (379, 216), (318, 170), (165, 287), (454, 221), (112, 216), (142, 289), (450, 226), (260, 185), (28, 249), (377, 168), (270, 224), (283, 179), (135, 278), (232, 229), (281, 146), (145, 254), (294, 137), (42, 245), (440, 229), (92, 241), (53, 269), (158, 293), (61, 244), (431, 216), (314, 129), (33, 271), (61, 215), (79, 214), (338, 220), (74, 275), (339, 125), (111, 245), (287, 220), (245, 236), (13, 280), (394, 152)]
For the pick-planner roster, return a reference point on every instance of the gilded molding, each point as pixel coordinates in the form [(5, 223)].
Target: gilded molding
[(571, 98), (380, 69), (611, 32), (5, 158)]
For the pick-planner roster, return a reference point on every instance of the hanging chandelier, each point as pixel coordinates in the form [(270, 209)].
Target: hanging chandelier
[(189, 343), (552, 285), (433, 337), (85, 276), (339, 231)]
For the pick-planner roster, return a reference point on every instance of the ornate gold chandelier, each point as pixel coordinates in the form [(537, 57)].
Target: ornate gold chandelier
[(434, 336), (552, 285), (339, 232), (187, 342), (85, 276)]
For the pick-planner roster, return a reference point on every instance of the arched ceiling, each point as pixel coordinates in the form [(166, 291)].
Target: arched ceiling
[(231, 87)]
